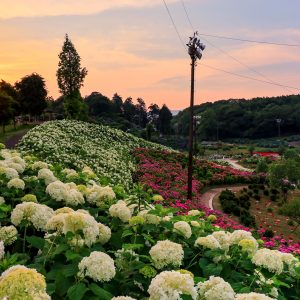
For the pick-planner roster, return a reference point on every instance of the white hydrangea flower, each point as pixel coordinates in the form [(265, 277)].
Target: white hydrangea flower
[(97, 195), (149, 218), (121, 211), (34, 213), (66, 192), (169, 285), (224, 238), (269, 259), (8, 234), (10, 173), (166, 253), (291, 261), (208, 242), (183, 228), (252, 296), (104, 234), (75, 221), (16, 183), (46, 175), (194, 212), (2, 200), (215, 289), (2, 250), (195, 224), (39, 165), (98, 266), (239, 235)]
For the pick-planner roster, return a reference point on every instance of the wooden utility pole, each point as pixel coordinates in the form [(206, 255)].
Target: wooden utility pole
[(195, 49)]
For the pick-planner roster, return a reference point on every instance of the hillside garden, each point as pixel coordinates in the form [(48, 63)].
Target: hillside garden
[(89, 212)]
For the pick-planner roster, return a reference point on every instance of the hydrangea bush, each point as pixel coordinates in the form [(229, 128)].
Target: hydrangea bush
[(81, 239), (78, 144)]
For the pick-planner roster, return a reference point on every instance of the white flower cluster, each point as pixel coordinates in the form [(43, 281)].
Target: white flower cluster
[(76, 221), (98, 266), (65, 192), (12, 165), (8, 234), (269, 259), (166, 253), (2, 250), (169, 285), (78, 144), (252, 296), (97, 195), (123, 256), (121, 211), (223, 240), (47, 175), (16, 183), (215, 288), (104, 234), (183, 228), (32, 213), (37, 165)]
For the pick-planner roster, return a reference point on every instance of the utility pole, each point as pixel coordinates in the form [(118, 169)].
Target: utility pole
[(278, 124), (195, 48)]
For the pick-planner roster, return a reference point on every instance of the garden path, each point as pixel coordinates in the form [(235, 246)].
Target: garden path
[(234, 164), (208, 196)]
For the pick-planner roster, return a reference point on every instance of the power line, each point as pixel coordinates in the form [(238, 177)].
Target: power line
[(174, 25), (251, 78), (226, 53), (249, 41)]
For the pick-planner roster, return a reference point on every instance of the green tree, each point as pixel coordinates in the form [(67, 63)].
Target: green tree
[(262, 166), (6, 109), (165, 117), (117, 103), (74, 107), (251, 149), (70, 75), (32, 94), (292, 210), (129, 109), (141, 116), (10, 90)]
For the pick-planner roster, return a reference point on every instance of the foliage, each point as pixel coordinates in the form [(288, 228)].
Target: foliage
[(6, 109), (32, 94), (241, 118), (130, 260), (70, 74), (74, 107)]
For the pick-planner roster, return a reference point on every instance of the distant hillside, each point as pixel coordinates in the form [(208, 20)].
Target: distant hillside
[(241, 118)]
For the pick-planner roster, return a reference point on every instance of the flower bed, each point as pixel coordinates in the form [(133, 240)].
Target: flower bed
[(64, 235), (77, 144)]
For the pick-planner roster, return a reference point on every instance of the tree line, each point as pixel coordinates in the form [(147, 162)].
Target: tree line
[(240, 118), (29, 96)]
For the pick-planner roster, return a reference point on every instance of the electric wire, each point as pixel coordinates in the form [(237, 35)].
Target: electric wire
[(174, 25), (249, 41), (249, 77), (221, 70), (225, 52)]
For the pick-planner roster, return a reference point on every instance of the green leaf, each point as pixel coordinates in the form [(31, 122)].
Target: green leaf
[(70, 270), (203, 262), (132, 246), (126, 233), (245, 290), (98, 291), (70, 255), (61, 248), (35, 241), (76, 292)]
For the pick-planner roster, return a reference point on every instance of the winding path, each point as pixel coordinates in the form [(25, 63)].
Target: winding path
[(234, 164), (208, 196)]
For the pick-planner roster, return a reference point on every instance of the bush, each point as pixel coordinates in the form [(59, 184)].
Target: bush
[(269, 233), (266, 192), (273, 198)]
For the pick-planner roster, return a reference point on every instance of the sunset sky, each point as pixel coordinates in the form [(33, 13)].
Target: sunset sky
[(130, 46)]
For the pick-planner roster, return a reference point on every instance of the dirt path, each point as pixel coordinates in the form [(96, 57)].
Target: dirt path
[(234, 164), (12, 141), (207, 197)]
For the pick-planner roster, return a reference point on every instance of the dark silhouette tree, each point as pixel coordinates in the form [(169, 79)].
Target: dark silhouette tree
[(165, 117), (98, 104), (129, 109), (32, 94), (6, 109), (70, 75), (117, 103), (141, 117), (10, 90), (153, 114)]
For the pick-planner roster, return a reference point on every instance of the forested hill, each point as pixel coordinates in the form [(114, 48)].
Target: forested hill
[(241, 118)]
